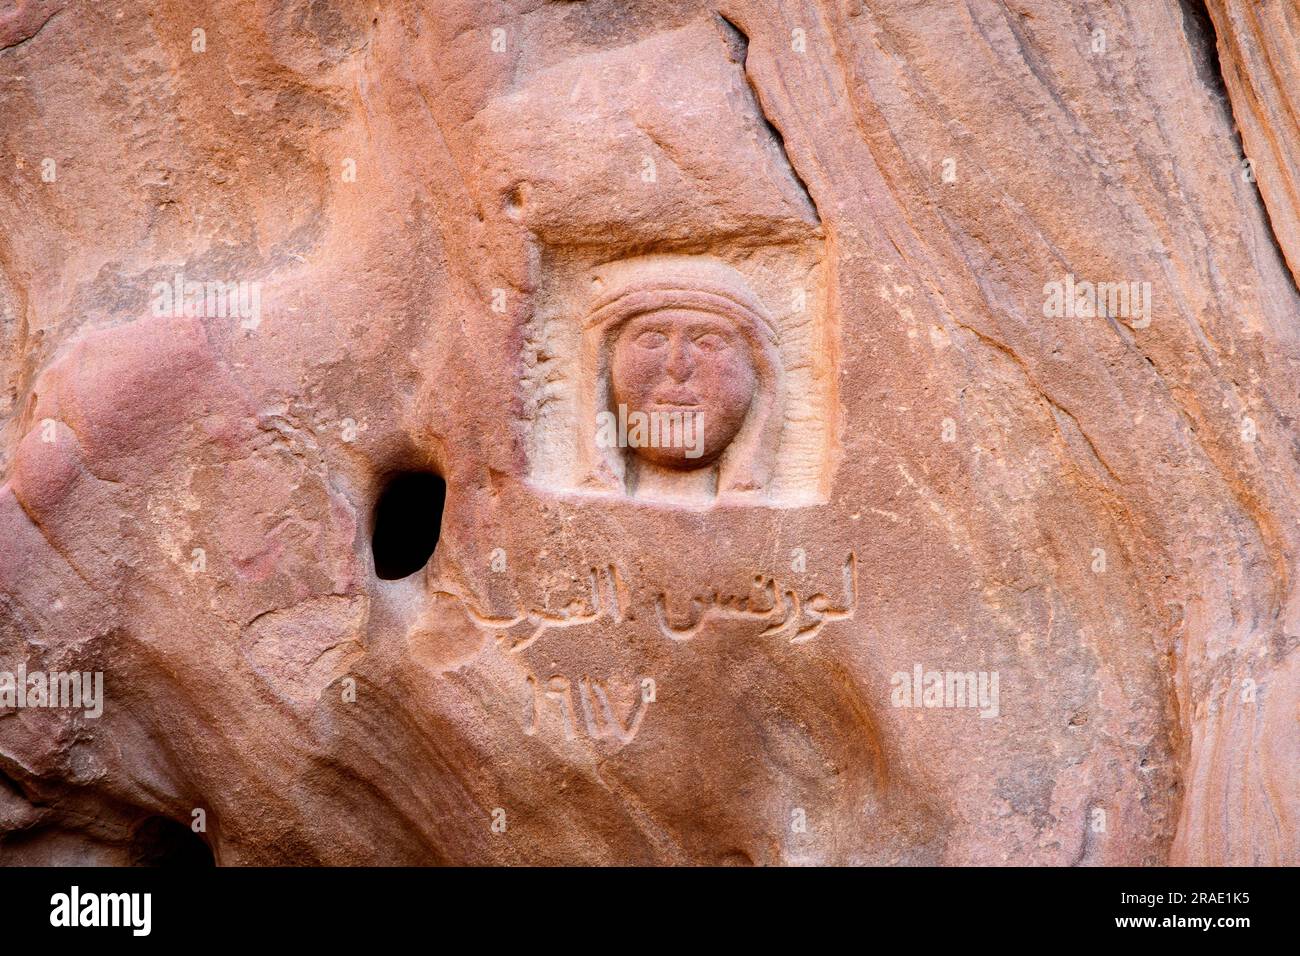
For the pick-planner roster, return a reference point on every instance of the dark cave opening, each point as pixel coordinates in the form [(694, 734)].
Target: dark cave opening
[(407, 523), (163, 842)]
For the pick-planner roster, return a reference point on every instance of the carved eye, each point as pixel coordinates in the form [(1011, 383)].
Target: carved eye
[(651, 340), (711, 342)]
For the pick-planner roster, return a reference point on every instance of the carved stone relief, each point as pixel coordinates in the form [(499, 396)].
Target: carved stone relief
[(649, 431), (676, 277)]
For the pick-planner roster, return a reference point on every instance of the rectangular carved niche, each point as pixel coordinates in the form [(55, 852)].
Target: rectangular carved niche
[(724, 362)]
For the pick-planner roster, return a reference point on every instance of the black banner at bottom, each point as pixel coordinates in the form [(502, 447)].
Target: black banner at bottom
[(1227, 906)]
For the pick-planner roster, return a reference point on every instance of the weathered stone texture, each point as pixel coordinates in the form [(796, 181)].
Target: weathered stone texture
[(837, 227)]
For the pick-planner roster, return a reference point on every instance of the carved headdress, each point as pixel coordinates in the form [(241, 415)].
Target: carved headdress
[(697, 285)]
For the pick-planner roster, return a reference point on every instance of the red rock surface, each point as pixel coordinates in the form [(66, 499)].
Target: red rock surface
[(448, 220)]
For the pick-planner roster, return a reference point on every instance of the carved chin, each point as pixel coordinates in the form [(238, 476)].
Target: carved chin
[(686, 458), (677, 458)]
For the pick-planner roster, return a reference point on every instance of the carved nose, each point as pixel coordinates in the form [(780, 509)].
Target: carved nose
[(680, 361)]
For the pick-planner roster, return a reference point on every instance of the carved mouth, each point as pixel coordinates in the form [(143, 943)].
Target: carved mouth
[(677, 400)]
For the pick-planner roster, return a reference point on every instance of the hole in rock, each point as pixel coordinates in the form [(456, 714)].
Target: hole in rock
[(408, 519), (163, 842)]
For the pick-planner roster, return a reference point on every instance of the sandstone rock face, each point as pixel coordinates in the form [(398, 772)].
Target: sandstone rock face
[(974, 329)]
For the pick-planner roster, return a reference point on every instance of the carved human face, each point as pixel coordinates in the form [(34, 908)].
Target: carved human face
[(678, 360)]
